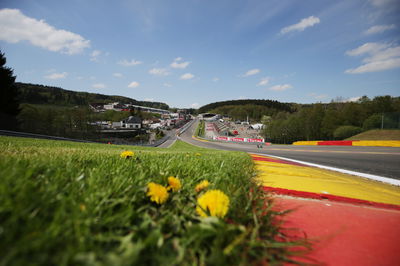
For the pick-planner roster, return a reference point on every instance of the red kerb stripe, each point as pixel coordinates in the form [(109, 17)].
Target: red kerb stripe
[(337, 142), (312, 195)]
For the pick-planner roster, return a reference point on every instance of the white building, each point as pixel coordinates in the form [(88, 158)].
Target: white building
[(132, 122)]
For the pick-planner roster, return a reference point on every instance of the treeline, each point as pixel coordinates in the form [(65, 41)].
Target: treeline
[(271, 104), (248, 111), (40, 94), (336, 120), (75, 122), (67, 122)]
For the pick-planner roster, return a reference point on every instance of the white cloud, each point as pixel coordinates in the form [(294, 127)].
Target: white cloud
[(353, 99), (128, 63), (302, 25), (159, 71), (167, 85), (251, 72), (379, 29), (187, 76), (263, 81), (94, 56), (178, 64), (380, 57), (375, 66), (62, 75), (16, 27), (215, 79), (98, 86), (195, 105), (367, 48), (118, 75), (281, 87), (134, 84)]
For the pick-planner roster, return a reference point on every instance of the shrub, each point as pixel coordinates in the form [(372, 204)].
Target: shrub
[(344, 132)]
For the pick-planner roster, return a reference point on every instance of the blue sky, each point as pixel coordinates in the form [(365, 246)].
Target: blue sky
[(192, 52)]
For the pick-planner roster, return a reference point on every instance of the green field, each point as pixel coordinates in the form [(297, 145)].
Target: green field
[(66, 203)]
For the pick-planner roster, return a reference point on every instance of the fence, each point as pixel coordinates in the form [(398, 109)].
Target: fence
[(40, 136)]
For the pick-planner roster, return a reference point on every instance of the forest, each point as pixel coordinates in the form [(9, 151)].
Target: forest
[(270, 104), (333, 121), (289, 122), (40, 94)]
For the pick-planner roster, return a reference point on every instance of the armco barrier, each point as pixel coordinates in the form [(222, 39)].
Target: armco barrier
[(376, 143)]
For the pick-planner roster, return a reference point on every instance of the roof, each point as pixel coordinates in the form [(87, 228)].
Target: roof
[(133, 120)]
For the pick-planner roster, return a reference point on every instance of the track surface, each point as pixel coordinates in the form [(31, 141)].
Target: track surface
[(382, 161)]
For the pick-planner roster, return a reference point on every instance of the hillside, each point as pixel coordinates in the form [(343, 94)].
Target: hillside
[(377, 134), (266, 103), (40, 94), (253, 110)]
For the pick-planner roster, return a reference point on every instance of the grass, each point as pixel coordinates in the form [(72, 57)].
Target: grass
[(200, 130), (378, 134), (66, 203)]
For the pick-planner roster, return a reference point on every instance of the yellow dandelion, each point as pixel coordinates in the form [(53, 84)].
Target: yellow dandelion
[(157, 193), (213, 202), (198, 154), (82, 207), (174, 184), (127, 154), (202, 185)]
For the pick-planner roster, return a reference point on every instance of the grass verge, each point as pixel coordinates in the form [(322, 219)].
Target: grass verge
[(69, 203), (377, 134), (200, 129)]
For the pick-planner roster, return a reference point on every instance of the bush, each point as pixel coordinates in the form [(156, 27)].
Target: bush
[(344, 132), (374, 121)]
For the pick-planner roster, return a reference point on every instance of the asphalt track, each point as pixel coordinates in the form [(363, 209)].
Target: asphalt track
[(382, 161)]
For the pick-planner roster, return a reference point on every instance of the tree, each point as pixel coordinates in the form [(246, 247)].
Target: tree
[(330, 122), (344, 132), (9, 104)]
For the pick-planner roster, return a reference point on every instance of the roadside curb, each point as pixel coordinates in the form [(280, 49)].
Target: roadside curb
[(320, 196), (292, 175), (343, 230), (370, 143)]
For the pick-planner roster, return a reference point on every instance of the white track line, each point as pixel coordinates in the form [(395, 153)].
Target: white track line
[(369, 176)]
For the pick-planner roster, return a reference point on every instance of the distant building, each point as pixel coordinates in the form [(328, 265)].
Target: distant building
[(132, 122), (97, 107), (257, 126), (110, 106)]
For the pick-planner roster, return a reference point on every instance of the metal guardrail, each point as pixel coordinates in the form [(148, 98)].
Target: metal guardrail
[(40, 136), (185, 127), (157, 142)]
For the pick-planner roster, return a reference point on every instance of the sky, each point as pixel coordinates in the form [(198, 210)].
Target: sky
[(188, 53)]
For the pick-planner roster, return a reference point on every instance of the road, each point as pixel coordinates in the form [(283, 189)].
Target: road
[(382, 161)]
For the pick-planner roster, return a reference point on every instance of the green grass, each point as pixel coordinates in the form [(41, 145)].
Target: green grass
[(66, 203), (200, 130), (377, 134)]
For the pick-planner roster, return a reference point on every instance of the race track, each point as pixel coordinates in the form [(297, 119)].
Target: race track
[(381, 161)]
